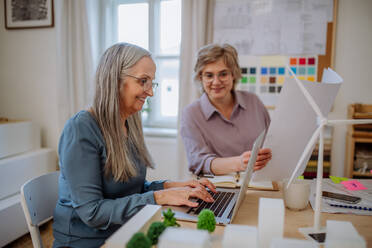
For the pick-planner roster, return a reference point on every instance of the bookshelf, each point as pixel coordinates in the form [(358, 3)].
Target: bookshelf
[(311, 168), (358, 155)]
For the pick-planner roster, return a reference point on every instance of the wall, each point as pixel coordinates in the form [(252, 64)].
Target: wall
[(27, 77), (164, 153), (353, 61), (28, 80)]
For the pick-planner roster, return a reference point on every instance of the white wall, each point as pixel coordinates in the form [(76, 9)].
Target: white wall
[(28, 85), (353, 61), (28, 77), (164, 153)]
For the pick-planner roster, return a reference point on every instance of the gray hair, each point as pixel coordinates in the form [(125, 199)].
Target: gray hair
[(121, 151)]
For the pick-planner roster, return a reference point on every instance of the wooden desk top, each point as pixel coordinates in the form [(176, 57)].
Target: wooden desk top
[(248, 215)]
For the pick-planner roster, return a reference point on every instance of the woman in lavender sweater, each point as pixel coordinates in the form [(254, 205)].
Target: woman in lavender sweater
[(219, 129)]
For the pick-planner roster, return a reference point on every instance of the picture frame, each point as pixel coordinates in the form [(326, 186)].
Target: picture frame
[(24, 14)]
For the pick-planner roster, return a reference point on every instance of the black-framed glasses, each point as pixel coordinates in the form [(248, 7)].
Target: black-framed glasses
[(146, 82), (223, 76)]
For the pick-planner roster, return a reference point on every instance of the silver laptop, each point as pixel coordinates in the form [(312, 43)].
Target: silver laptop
[(226, 201)]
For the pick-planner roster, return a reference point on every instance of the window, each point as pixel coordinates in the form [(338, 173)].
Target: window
[(156, 26)]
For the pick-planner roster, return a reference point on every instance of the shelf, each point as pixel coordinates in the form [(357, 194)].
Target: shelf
[(359, 174), (314, 163), (357, 137)]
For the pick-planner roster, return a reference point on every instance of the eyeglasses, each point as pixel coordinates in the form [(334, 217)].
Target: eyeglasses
[(145, 82), (208, 77)]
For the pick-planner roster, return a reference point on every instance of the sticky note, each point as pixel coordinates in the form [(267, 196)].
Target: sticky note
[(301, 70), (338, 179), (312, 79), (301, 78), (263, 70), (252, 80), (263, 89), (252, 70), (281, 70), (311, 61), (293, 61), (272, 70), (272, 80), (272, 89), (279, 88), (311, 70), (294, 69), (300, 177), (280, 80), (353, 185), (302, 61), (244, 70), (244, 80), (264, 80)]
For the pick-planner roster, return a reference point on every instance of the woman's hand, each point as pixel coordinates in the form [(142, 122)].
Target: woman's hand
[(180, 196), (201, 183), (263, 157)]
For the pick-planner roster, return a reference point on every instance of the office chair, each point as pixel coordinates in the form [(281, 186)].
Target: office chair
[(38, 199)]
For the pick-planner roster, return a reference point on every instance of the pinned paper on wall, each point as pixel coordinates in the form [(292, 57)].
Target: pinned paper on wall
[(337, 180), (273, 27), (266, 75), (353, 185)]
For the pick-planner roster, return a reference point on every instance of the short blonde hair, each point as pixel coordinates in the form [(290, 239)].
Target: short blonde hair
[(213, 52)]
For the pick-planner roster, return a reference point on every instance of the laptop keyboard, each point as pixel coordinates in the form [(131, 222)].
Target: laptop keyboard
[(221, 201)]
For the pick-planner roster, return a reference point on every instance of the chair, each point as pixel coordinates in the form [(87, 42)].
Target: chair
[(38, 199)]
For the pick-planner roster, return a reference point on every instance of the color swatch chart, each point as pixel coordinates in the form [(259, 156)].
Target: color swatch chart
[(266, 76)]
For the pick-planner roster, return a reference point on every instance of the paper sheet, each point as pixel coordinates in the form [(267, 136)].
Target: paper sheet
[(328, 185), (292, 125), (269, 27)]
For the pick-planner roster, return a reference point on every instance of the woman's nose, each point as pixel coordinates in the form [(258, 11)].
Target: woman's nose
[(150, 91)]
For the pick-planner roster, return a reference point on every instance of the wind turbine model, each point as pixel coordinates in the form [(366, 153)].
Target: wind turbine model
[(322, 121)]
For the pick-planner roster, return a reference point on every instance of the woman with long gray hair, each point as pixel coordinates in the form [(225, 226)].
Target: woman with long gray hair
[(103, 156)]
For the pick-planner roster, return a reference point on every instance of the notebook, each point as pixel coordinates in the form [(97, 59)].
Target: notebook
[(232, 181), (227, 200)]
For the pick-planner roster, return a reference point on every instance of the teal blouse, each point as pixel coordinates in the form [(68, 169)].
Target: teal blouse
[(91, 206)]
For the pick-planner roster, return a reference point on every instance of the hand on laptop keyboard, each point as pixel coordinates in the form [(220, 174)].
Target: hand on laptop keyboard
[(181, 196)]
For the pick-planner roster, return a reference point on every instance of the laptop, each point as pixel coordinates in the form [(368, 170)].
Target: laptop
[(226, 201)]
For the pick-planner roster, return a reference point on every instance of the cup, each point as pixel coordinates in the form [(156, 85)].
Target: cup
[(296, 197)]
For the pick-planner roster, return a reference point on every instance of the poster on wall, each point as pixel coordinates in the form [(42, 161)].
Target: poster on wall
[(22, 14)]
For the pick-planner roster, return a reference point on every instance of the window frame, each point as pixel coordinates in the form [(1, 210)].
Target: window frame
[(154, 118)]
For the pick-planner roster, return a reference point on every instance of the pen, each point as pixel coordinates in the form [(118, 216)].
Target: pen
[(237, 176), (352, 207), (205, 175)]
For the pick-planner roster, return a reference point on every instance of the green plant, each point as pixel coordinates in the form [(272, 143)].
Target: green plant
[(155, 230), (169, 219), (206, 220), (139, 240)]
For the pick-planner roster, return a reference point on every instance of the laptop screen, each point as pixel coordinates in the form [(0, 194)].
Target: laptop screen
[(248, 171)]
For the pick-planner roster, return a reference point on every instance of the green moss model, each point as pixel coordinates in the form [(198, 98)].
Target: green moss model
[(206, 220), (139, 240), (155, 230), (169, 219)]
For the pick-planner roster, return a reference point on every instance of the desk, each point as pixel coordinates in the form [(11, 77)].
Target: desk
[(248, 215)]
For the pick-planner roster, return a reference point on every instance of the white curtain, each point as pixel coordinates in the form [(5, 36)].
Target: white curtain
[(84, 29), (197, 30)]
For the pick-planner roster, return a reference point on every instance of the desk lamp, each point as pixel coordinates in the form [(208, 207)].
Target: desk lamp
[(322, 122)]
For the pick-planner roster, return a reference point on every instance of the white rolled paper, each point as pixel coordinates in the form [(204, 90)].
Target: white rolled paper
[(270, 221), (184, 238), (238, 236), (291, 243), (342, 234)]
